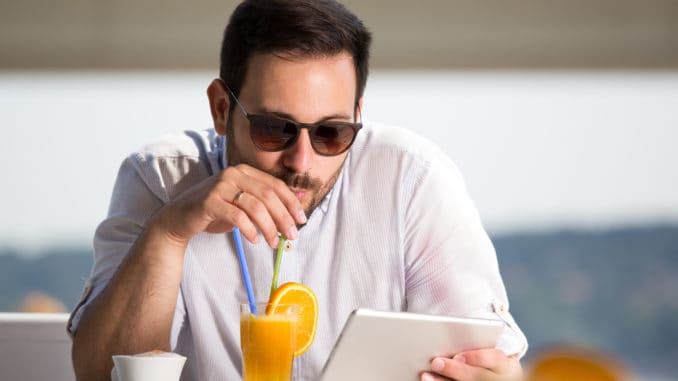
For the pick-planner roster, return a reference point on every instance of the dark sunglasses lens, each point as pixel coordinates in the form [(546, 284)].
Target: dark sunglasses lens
[(271, 134), (332, 139)]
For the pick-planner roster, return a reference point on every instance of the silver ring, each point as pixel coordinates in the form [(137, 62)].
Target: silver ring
[(237, 197)]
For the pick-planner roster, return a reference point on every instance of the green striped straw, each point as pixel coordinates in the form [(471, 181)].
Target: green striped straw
[(278, 259)]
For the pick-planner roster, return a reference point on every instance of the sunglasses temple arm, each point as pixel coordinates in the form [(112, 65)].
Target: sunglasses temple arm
[(235, 98), (359, 112)]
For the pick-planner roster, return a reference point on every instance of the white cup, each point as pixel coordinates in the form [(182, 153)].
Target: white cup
[(147, 368)]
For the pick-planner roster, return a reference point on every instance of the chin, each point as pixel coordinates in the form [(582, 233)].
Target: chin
[(310, 204)]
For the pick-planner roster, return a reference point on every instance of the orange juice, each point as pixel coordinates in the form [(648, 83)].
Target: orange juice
[(267, 343)]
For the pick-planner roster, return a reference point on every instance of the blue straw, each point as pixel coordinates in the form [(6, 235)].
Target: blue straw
[(244, 270)]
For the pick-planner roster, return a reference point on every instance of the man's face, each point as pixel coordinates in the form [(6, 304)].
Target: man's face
[(306, 90)]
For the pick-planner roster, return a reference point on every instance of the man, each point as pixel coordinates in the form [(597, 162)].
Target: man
[(386, 221)]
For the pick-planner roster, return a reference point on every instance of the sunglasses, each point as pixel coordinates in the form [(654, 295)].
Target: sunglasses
[(271, 133)]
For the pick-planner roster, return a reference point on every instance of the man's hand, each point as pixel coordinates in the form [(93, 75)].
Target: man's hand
[(477, 365), (240, 196), (134, 313)]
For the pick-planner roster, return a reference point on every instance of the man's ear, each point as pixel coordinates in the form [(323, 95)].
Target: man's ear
[(220, 104)]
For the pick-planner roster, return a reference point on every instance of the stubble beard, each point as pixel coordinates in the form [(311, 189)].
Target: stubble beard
[(313, 185)]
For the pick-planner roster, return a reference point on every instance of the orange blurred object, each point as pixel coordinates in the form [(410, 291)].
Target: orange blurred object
[(575, 364), (41, 303)]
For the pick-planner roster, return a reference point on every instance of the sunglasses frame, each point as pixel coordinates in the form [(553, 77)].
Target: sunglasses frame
[(312, 128)]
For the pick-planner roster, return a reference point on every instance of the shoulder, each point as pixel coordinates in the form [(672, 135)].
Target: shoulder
[(174, 161), (377, 136), (400, 149), (187, 144)]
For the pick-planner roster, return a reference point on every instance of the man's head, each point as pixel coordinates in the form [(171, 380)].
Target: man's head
[(302, 60), (296, 28)]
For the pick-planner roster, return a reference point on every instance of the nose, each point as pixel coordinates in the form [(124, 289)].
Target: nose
[(299, 157)]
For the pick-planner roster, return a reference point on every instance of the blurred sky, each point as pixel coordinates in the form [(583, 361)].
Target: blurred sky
[(539, 149)]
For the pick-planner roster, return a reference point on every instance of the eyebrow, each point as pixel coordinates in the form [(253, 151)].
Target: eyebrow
[(284, 115)]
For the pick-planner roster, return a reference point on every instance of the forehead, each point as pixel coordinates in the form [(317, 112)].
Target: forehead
[(302, 86)]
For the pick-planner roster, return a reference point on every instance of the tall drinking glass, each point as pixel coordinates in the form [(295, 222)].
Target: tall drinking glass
[(267, 342)]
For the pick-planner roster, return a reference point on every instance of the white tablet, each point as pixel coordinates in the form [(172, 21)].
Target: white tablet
[(376, 345)]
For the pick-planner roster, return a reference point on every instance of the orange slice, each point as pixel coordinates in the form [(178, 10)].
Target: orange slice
[(307, 319)]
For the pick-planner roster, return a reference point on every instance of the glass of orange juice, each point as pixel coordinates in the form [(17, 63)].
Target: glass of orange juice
[(267, 341)]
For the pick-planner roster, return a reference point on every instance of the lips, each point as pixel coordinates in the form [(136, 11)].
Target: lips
[(299, 193)]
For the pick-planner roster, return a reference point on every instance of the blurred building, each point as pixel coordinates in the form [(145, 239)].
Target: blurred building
[(160, 34)]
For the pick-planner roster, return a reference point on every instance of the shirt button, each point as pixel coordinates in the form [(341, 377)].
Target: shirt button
[(288, 246), (499, 308)]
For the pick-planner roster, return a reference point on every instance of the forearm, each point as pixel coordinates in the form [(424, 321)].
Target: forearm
[(134, 313)]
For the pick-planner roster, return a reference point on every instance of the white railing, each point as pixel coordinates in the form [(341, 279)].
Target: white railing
[(35, 347)]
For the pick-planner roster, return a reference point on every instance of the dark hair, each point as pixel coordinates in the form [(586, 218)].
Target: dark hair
[(298, 27)]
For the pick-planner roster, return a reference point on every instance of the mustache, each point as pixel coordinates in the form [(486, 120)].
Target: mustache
[(298, 180)]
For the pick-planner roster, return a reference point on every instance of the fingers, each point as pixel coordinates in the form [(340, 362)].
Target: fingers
[(425, 376), (264, 203), (457, 369), (258, 213), (478, 365), (230, 217), (492, 359), (284, 195), (266, 200)]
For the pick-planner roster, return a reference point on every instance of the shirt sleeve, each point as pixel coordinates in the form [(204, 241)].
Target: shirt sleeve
[(451, 265), (133, 202)]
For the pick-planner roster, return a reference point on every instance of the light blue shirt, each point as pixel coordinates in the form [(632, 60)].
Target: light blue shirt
[(397, 232)]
